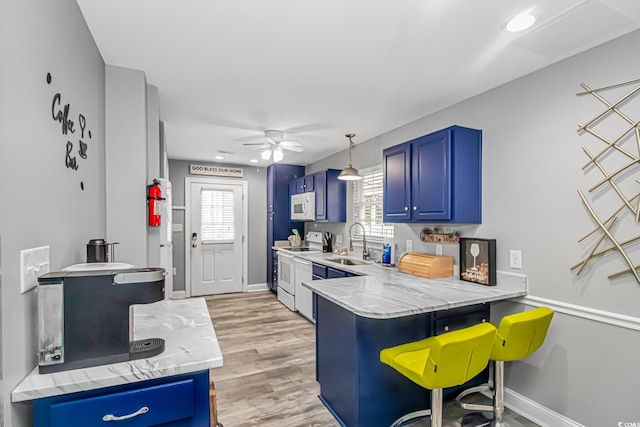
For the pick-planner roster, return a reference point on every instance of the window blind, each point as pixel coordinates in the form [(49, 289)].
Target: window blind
[(367, 205), (216, 215)]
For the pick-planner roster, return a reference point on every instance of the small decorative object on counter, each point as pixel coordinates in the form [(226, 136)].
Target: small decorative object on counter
[(294, 239), (478, 260), (440, 235), (340, 250)]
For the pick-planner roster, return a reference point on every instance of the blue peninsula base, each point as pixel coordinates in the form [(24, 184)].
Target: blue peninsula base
[(355, 386)]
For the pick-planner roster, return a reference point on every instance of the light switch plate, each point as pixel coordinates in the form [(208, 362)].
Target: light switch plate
[(339, 238), (409, 245), (33, 263)]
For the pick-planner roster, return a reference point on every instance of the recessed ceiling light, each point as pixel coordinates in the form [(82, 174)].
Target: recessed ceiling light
[(521, 22), (219, 157), (254, 160)]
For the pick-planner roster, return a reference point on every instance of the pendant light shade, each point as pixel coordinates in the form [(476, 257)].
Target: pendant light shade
[(350, 173)]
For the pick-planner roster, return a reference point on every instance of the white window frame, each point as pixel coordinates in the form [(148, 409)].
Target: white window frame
[(356, 232)]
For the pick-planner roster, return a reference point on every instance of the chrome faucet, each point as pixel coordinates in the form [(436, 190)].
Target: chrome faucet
[(365, 252)]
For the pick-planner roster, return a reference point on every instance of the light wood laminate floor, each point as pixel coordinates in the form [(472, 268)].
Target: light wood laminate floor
[(268, 374)]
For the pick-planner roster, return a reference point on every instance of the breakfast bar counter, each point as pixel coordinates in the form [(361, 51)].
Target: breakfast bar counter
[(356, 317), (179, 374)]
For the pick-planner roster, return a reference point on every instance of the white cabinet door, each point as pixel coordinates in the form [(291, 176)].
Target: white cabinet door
[(304, 296)]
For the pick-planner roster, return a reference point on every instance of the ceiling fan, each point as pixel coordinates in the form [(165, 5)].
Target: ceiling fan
[(274, 145)]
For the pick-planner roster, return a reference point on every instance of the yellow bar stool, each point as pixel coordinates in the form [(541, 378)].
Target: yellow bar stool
[(442, 361), (519, 335)]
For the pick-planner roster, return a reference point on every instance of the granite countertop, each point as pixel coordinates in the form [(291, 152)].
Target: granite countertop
[(191, 345), (382, 292)]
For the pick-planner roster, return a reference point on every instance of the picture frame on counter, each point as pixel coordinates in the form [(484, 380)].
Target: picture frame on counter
[(478, 260)]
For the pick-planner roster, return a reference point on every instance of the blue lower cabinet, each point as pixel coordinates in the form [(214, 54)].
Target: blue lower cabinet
[(170, 402), (358, 389)]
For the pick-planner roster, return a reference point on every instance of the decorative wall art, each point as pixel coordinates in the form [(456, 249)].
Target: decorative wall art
[(478, 260), (440, 235), (615, 133), (76, 144)]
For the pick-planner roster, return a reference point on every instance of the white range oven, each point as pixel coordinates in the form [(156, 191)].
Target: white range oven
[(292, 271), (286, 287)]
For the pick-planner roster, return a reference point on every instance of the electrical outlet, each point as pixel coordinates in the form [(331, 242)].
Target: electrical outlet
[(338, 238), (438, 249), (33, 263), (409, 245), (515, 259)]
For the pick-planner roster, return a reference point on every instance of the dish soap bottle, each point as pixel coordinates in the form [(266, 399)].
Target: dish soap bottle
[(386, 254)]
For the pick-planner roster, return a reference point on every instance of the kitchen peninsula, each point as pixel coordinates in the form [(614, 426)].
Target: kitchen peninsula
[(173, 386), (356, 317)]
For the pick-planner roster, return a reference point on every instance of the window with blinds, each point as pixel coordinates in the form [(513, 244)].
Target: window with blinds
[(216, 216), (367, 205)]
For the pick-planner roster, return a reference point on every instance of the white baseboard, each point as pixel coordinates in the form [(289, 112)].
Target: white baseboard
[(256, 287), (535, 412)]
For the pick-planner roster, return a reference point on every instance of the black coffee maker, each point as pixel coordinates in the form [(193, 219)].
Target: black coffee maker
[(84, 317)]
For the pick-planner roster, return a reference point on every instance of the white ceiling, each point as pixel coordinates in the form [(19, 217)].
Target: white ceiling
[(318, 69)]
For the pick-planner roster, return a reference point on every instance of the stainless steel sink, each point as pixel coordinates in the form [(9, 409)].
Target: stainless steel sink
[(346, 261)]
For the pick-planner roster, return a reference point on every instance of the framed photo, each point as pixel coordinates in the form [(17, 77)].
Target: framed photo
[(478, 260)]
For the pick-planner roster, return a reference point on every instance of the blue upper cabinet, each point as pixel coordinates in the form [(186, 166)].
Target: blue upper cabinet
[(397, 183), (304, 184), (435, 178), (331, 196)]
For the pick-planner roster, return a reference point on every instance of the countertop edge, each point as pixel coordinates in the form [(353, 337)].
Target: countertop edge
[(168, 319)]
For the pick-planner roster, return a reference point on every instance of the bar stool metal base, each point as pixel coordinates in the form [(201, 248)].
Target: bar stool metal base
[(435, 413)]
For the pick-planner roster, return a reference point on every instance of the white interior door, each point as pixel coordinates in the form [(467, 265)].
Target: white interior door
[(216, 238)]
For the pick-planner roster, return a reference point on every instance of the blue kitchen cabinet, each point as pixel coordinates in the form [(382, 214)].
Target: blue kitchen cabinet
[(355, 386), (435, 178), (396, 183), (279, 227), (177, 401), (304, 184), (331, 196)]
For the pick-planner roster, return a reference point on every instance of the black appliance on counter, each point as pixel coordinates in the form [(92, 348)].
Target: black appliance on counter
[(99, 250), (85, 319)]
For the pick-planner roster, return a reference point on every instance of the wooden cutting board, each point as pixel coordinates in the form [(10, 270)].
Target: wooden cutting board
[(426, 265)]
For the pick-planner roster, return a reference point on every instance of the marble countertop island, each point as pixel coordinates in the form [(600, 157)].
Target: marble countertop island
[(191, 346), (383, 292)]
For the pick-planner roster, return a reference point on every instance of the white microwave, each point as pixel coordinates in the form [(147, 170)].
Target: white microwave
[(303, 206)]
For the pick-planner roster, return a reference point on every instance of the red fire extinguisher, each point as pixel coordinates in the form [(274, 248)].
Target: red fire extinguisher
[(154, 197)]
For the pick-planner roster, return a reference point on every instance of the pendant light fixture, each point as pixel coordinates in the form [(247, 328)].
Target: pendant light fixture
[(350, 173)]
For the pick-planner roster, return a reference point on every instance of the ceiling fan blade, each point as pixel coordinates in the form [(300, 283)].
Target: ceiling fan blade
[(264, 144), (296, 148), (290, 144)]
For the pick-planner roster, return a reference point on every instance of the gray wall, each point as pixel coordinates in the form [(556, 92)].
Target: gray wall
[(155, 155), (126, 160), (256, 178), (42, 202), (532, 162)]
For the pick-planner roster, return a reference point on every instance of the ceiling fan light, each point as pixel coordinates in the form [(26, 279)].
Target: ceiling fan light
[(278, 155), (350, 174), (266, 154)]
